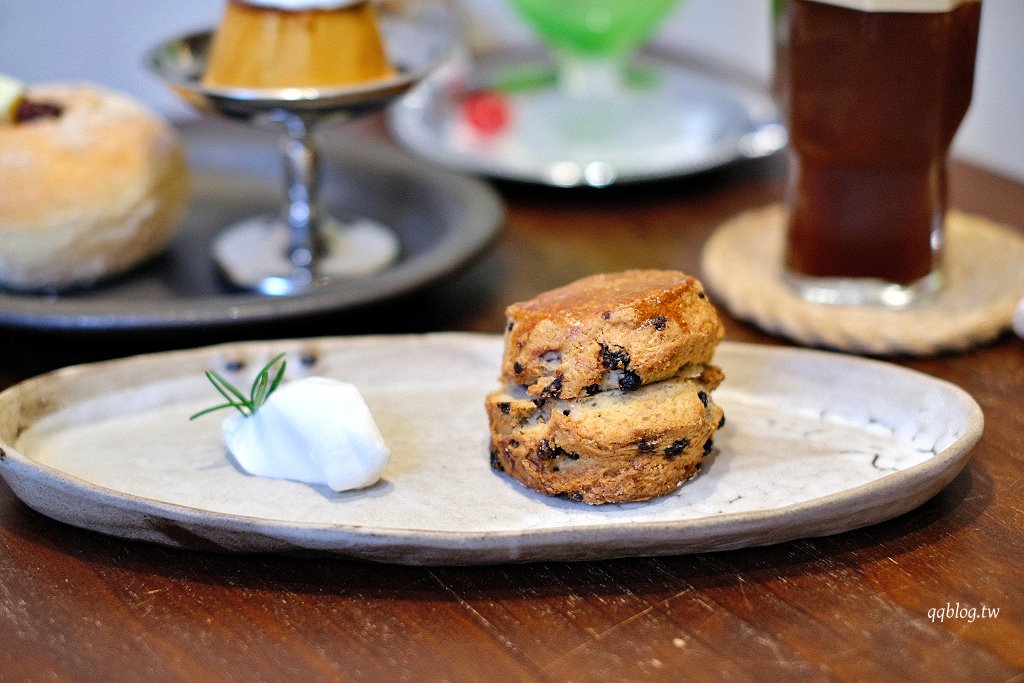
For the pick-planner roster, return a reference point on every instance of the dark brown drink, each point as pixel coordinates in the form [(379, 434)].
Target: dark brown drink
[(873, 99)]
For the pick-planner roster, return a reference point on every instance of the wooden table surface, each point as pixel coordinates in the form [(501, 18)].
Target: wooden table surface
[(862, 605)]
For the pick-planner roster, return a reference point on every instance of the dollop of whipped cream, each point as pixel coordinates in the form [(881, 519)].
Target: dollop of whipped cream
[(314, 430)]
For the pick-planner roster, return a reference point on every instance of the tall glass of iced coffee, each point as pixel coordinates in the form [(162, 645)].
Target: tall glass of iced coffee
[(873, 92)]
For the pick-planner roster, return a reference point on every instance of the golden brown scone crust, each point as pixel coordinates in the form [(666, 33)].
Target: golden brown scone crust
[(613, 446), (610, 330), (89, 193)]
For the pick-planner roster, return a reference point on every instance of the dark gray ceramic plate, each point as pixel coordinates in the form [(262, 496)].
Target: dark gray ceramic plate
[(443, 221)]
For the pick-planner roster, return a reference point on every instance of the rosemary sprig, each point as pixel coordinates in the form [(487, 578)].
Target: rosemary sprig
[(262, 387)]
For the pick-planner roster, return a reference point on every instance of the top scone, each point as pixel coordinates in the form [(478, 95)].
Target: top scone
[(613, 330)]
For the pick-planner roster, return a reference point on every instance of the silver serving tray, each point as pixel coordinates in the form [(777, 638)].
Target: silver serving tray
[(686, 121)]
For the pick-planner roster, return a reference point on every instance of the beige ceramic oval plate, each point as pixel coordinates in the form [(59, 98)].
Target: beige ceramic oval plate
[(815, 444)]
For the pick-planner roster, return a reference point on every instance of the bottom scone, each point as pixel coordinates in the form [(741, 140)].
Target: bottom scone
[(611, 447)]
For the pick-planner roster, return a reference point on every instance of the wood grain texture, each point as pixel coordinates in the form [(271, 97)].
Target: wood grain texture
[(75, 605)]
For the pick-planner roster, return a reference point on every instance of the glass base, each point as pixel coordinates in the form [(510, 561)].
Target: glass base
[(837, 291), (588, 139), (253, 254)]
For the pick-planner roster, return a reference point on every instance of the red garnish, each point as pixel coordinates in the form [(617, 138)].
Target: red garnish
[(486, 111)]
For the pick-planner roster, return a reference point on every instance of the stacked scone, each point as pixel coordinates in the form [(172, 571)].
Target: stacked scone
[(607, 384)]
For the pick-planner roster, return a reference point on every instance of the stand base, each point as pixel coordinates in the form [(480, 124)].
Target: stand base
[(253, 254), (982, 279)]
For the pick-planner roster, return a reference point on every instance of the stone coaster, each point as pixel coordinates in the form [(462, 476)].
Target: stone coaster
[(984, 270)]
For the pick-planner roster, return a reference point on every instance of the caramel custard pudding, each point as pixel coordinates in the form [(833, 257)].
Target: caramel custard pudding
[(296, 44)]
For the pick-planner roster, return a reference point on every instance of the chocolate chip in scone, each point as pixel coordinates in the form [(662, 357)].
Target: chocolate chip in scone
[(510, 325), (630, 381), (708, 445), (659, 322), (517, 368), (566, 412), (496, 461), (592, 389), (545, 451), (676, 447), (554, 388), (647, 445), (721, 423), (614, 358), (574, 496), (548, 451), (504, 407), (703, 396)]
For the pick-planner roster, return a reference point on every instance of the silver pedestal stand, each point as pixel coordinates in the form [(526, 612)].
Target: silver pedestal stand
[(303, 247)]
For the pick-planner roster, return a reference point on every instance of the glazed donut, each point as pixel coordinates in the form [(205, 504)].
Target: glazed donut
[(89, 192)]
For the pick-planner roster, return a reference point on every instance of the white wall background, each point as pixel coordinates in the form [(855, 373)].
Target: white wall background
[(103, 41)]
